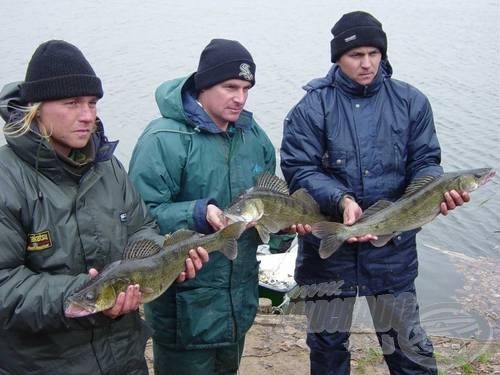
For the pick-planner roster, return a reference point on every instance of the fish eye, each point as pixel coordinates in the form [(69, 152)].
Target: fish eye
[(89, 296)]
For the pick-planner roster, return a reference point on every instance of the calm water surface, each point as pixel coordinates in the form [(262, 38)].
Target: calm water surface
[(450, 50)]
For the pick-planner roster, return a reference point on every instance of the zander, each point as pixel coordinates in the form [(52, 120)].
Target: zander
[(152, 267), (270, 205), (419, 205)]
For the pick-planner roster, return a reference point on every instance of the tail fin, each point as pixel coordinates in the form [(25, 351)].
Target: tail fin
[(330, 238), (229, 236), (329, 245)]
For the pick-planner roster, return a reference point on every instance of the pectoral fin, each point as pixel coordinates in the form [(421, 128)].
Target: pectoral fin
[(263, 233), (382, 240)]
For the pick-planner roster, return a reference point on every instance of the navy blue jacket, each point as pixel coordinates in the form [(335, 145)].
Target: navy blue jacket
[(368, 142)]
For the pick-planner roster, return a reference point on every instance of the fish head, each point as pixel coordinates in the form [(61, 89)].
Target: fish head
[(484, 175), (93, 298), (246, 209), (472, 179)]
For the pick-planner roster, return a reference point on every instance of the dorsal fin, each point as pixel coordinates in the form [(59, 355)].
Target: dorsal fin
[(417, 184), (268, 181), (141, 249), (180, 235), (373, 209), (303, 196)]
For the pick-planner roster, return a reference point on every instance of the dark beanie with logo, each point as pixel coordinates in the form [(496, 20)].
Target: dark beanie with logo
[(58, 70), (357, 29), (221, 60)]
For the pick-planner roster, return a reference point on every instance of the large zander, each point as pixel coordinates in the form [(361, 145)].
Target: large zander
[(152, 267), (271, 206), (419, 205)]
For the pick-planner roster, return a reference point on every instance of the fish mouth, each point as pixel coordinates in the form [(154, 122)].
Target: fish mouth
[(489, 176), (74, 309)]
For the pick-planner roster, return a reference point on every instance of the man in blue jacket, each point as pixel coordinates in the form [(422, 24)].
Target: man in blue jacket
[(358, 136)]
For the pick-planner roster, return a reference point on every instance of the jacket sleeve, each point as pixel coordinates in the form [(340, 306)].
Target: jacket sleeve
[(302, 152), (156, 171), (424, 152)]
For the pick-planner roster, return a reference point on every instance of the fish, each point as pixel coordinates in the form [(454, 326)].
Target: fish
[(419, 205), (271, 206), (150, 265)]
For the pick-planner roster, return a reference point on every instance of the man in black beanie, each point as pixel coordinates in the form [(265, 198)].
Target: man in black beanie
[(357, 137), (189, 164), (68, 210)]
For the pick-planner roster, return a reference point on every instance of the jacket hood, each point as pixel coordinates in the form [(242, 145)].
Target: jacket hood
[(335, 77), (9, 99), (177, 100)]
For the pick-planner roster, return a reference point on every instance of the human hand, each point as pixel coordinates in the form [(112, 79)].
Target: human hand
[(193, 263), (125, 302), (301, 229), (452, 199), (215, 217), (352, 213)]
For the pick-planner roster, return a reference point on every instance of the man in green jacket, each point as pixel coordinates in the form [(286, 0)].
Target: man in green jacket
[(188, 165)]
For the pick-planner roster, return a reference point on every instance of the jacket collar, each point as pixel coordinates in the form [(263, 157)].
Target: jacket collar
[(336, 78)]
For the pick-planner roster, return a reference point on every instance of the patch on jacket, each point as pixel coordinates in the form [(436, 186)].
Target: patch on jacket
[(39, 241)]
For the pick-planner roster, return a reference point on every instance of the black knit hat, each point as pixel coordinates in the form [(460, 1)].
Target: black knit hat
[(58, 70), (357, 29), (221, 60)]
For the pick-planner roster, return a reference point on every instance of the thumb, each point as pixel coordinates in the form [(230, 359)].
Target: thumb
[(93, 273)]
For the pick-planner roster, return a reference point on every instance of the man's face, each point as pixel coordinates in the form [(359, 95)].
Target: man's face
[(224, 101), (361, 64), (69, 122)]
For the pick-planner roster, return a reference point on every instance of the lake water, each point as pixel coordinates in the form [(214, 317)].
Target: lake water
[(449, 49)]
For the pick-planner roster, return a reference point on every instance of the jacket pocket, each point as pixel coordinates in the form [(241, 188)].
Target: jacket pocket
[(336, 162)]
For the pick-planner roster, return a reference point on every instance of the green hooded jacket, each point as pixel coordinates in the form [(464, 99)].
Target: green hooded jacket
[(181, 163), (54, 228)]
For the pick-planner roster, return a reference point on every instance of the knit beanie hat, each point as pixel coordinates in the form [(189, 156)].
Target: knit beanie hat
[(357, 29), (58, 70), (221, 60)]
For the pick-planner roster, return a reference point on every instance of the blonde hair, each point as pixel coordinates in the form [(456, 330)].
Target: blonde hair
[(20, 127)]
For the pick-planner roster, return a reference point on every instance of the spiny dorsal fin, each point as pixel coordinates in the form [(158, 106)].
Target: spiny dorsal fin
[(303, 196), (267, 181), (373, 209), (417, 184), (180, 235), (141, 249)]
